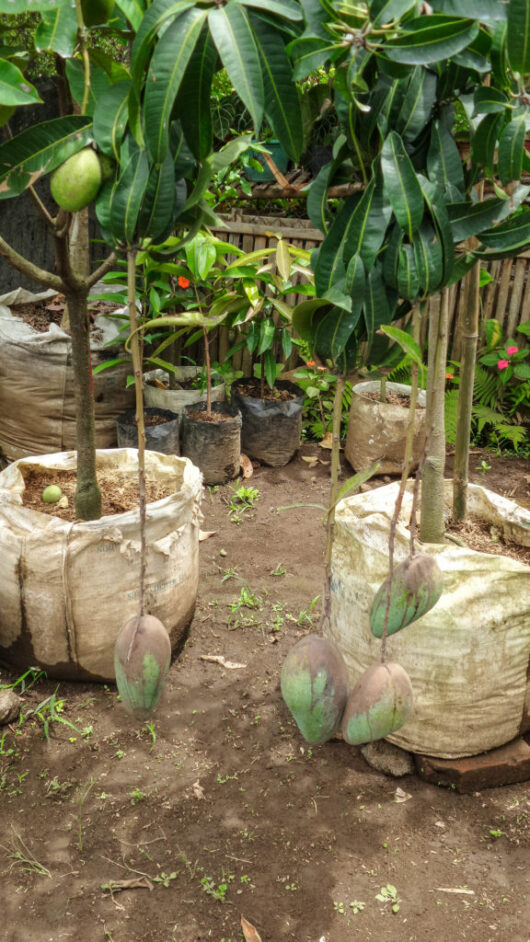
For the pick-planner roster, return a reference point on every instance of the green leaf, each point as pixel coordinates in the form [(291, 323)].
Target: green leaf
[(127, 198), (304, 317), (282, 104), (57, 31), (99, 82), (39, 150), (428, 258), (354, 483), (430, 38), (133, 10), (511, 234), (444, 165), (233, 36), (405, 341), (287, 9), (484, 140), (327, 262), (230, 152), (193, 103), (437, 207), (417, 104), (401, 184), (283, 259), (166, 71), (158, 15), (310, 54), (367, 226), (487, 100), (110, 118), (383, 11), (487, 11), (317, 204), (408, 282), (158, 204), (266, 336), (14, 87), (29, 6), (469, 219), (518, 36), (269, 366), (511, 149), (376, 310)]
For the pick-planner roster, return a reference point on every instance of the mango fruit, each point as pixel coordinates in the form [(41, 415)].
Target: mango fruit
[(379, 704), (51, 494), (142, 655), (76, 182), (314, 685), (417, 584)]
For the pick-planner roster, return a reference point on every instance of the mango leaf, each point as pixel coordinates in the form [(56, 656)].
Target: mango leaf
[(57, 31), (428, 258), (133, 10), (376, 309), (110, 118), (282, 104), (333, 332), (484, 140), (327, 261), (269, 368), (309, 53), (39, 150), (408, 282), (99, 82), (518, 36), (468, 220), (489, 100), (366, 229), (462, 265), (405, 341), (511, 149), (430, 38), (347, 361), (127, 198), (391, 255), (158, 15), (304, 317), (230, 152), (166, 71), (510, 235), (438, 210), (401, 184), (158, 204), (382, 11), (418, 103), (29, 6), (193, 102), (14, 87), (444, 165), (285, 8), (283, 259), (487, 11), (317, 203), (233, 36)]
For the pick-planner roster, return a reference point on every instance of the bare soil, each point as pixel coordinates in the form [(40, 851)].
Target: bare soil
[(391, 399), (169, 831), (252, 388), (39, 316)]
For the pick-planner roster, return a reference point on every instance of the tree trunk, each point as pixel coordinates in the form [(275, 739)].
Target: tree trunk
[(432, 527), (88, 495)]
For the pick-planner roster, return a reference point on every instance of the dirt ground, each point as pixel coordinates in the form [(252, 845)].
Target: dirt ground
[(169, 831)]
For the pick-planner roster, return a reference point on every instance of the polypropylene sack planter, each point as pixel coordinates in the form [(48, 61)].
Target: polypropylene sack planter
[(468, 657), (66, 589), (377, 431), (176, 400), (272, 428), (163, 437), (215, 446), (37, 384)]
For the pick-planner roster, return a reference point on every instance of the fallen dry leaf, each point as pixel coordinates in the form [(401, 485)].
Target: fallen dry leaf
[(247, 469), (219, 659), (400, 795), (198, 790), (206, 534), (455, 889), (137, 883), (327, 441), (249, 931), (311, 460)]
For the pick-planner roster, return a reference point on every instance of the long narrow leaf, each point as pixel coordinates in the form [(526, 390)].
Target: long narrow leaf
[(14, 86), (110, 118), (57, 31), (282, 104), (518, 35), (431, 38), (233, 36), (39, 150), (401, 184), (193, 103)]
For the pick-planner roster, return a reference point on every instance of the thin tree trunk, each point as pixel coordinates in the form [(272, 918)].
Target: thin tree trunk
[(330, 520), (88, 495), (469, 336), (138, 386), (432, 527)]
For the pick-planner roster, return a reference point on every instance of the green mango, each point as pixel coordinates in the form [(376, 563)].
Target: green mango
[(314, 685), (417, 584), (379, 704), (76, 182), (142, 655)]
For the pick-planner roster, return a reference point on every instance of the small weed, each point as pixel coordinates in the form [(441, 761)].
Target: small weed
[(22, 857), (137, 795), (483, 466), (165, 878), (247, 599), (248, 835), (338, 908), (150, 727), (242, 501), (388, 894), (223, 779), (217, 892), (304, 616), (291, 887), (26, 680), (229, 573), (245, 878), (279, 571), (49, 711), (356, 906), (78, 817), (495, 833)]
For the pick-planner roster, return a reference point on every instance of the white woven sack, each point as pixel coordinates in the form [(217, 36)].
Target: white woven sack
[(66, 589), (468, 658)]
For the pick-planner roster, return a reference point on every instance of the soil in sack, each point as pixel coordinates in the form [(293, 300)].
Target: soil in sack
[(213, 440), (272, 427), (161, 431)]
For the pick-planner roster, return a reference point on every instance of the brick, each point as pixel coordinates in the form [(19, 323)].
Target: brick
[(503, 766)]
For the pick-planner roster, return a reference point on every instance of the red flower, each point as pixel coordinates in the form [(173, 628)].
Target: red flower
[(183, 282), (502, 364), (449, 376), (310, 363), (512, 350)]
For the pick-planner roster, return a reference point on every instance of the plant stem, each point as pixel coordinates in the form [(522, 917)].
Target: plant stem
[(382, 393), (87, 500), (465, 393), (81, 32), (137, 368), (432, 489), (330, 518), (208, 371)]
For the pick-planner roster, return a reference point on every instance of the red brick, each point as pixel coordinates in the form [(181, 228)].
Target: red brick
[(503, 766)]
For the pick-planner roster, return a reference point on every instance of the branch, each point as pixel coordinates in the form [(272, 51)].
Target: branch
[(102, 270), (42, 209), (27, 268)]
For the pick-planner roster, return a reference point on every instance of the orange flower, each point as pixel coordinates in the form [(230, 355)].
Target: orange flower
[(449, 376), (310, 363), (183, 282)]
